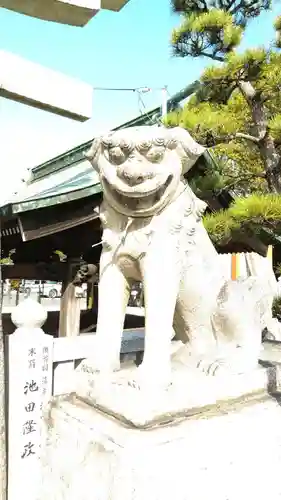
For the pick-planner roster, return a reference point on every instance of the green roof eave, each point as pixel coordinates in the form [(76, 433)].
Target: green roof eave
[(78, 181), (26, 206)]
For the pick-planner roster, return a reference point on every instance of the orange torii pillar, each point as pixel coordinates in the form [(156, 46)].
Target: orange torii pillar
[(235, 262), (235, 266)]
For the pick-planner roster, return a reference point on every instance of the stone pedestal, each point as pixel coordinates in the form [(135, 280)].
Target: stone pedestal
[(229, 450)]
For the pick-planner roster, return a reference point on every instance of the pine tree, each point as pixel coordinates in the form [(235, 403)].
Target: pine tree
[(237, 108), (235, 111)]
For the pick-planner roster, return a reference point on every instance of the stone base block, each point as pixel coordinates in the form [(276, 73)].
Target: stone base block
[(226, 452), (190, 392)]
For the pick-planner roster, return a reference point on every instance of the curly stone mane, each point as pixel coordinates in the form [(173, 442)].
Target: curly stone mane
[(118, 146)]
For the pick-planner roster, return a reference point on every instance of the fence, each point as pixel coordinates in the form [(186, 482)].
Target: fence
[(39, 367)]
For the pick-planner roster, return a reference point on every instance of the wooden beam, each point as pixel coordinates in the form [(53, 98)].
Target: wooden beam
[(48, 229), (32, 84), (73, 12), (113, 4), (70, 304), (70, 308), (40, 271), (54, 219)]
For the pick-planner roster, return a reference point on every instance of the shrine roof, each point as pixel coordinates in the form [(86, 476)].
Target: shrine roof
[(77, 181)]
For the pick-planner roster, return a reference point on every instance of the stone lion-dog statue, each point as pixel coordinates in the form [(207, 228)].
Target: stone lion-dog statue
[(153, 232)]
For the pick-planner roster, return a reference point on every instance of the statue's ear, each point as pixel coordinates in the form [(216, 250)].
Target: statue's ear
[(188, 149), (93, 154)]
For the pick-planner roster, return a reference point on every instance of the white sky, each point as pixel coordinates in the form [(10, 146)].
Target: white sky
[(30, 136)]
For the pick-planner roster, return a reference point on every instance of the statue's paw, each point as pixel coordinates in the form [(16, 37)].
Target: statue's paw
[(135, 383), (234, 364), (104, 363), (149, 379), (100, 370), (214, 366)]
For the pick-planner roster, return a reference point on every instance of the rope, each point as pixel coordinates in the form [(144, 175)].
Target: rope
[(122, 237)]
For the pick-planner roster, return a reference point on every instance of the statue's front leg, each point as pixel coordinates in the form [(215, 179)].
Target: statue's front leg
[(161, 285), (112, 302)]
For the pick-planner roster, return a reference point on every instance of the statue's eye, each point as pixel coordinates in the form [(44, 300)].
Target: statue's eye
[(116, 155), (155, 155), (126, 146), (108, 142), (159, 141)]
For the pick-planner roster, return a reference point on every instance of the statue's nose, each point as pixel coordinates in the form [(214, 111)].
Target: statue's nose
[(132, 177)]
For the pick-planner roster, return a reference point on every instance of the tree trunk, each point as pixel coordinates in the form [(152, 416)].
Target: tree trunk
[(269, 154), (3, 463), (271, 160)]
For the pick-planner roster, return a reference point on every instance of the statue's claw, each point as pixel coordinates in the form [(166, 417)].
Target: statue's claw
[(211, 367), (150, 379), (236, 363)]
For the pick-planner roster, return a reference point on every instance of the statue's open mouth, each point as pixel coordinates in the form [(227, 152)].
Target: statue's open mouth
[(136, 200)]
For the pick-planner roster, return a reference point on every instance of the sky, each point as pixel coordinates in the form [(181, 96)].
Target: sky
[(126, 49)]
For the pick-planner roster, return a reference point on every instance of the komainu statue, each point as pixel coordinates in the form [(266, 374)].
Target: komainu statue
[(153, 232)]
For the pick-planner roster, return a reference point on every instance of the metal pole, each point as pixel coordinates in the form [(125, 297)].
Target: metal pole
[(164, 101)]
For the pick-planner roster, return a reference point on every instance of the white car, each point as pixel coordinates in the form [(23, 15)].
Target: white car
[(50, 289)]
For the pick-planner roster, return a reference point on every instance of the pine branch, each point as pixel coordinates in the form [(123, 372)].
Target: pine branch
[(241, 180), (214, 57), (255, 211), (211, 34), (247, 137), (212, 140), (247, 90)]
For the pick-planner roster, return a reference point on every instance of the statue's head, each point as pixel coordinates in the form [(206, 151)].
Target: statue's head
[(140, 168)]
